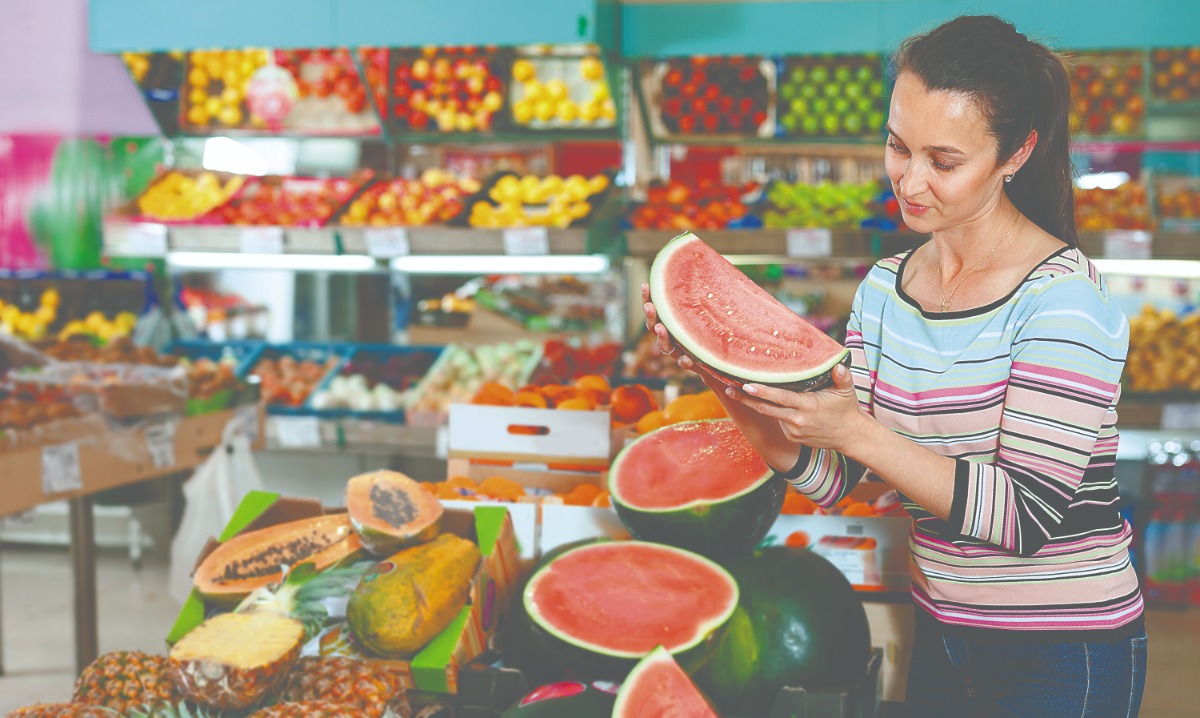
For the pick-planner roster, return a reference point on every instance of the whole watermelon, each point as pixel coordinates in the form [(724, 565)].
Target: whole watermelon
[(798, 623)]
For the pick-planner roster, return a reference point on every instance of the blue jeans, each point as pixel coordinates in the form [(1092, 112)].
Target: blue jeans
[(952, 677)]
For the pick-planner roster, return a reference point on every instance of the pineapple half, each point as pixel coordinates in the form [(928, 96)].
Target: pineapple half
[(233, 661)]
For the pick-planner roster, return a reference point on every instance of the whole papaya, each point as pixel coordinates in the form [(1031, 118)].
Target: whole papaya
[(409, 598)]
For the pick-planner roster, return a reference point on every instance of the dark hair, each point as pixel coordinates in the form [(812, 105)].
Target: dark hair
[(1019, 85)]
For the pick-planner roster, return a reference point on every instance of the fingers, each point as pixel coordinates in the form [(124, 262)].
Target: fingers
[(771, 394), (663, 340), (765, 408), (645, 292), (842, 379)]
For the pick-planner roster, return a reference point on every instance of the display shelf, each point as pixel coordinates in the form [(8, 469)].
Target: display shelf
[(351, 436), (463, 240), (847, 244)]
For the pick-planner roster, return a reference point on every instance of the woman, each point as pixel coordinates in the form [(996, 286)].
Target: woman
[(984, 378)]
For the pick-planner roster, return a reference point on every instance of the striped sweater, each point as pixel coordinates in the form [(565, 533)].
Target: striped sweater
[(1022, 394)]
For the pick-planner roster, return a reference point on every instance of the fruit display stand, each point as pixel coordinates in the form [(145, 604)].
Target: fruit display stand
[(435, 668), (76, 469)]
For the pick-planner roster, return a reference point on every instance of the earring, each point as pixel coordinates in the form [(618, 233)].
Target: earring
[(1008, 178)]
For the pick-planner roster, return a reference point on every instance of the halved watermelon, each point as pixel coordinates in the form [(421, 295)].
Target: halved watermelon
[(658, 688), (698, 485), (606, 605), (734, 328)]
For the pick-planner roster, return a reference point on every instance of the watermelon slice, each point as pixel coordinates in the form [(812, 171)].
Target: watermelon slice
[(604, 606), (697, 485), (658, 688), (734, 328)]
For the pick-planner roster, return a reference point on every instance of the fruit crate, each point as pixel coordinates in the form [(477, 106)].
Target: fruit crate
[(279, 201), (710, 97), (535, 196), (446, 91), (436, 197), (1177, 202), (459, 372), (184, 197), (1175, 76), (159, 77), (561, 87), (1108, 94), (436, 667), (399, 368), (244, 354), (831, 96), (487, 688), (288, 395)]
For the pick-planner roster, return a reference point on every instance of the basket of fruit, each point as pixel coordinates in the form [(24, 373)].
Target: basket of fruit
[(289, 373), (1175, 75), (711, 96), (375, 383), (292, 201), (512, 200), (446, 90), (560, 88), (184, 197), (1108, 94), (835, 96)]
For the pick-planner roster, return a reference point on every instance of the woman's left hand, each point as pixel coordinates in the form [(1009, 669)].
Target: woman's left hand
[(825, 419)]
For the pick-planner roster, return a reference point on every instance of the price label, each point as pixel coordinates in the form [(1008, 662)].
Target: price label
[(247, 417), (809, 242), (298, 432), (1181, 417), (160, 439), (1127, 244), (262, 240), (60, 469), (388, 243), (441, 441), (146, 239), (526, 240)]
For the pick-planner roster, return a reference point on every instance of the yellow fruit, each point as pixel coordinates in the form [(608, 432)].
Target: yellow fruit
[(533, 91), (197, 115), (568, 111), (126, 320), (545, 110), (45, 314), (198, 78), (591, 68), (608, 110), (492, 101), (589, 112), (212, 106), (230, 116), (556, 90), (234, 660), (49, 298), (523, 70), (523, 112)]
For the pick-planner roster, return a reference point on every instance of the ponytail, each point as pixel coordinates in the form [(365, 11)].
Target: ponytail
[(1020, 86)]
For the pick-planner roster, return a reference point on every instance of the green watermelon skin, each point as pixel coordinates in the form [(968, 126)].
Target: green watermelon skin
[(717, 531), (798, 623)]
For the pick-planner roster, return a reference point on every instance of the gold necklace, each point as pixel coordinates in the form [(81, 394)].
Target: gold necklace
[(941, 284)]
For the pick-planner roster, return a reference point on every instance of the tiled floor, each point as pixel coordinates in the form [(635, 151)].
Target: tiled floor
[(136, 613)]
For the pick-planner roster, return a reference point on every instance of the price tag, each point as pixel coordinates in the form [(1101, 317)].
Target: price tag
[(526, 240), (60, 469), (262, 240), (146, 239), (298, 432), (1127, 244), (160, 438), (809, 242), (1181, 417), (441, 441), (247, 416), (388, 242)]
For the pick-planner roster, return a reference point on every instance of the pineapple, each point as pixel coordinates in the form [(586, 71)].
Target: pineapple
[(234, 660), (367, 687), (123, 680), (63, 710), (308, 709)]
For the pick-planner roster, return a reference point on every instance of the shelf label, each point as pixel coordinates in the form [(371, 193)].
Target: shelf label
[(146, 239), (1181, 417), (810, 242), (526, 240), (1127, 244), (60, 469), (388, 242), (160, 439), (298, 432), (262, 240)]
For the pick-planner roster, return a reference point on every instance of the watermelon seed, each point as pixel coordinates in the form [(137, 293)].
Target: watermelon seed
[(775, 333), (729, 312), (729, 339), (751, 348), (710, 295)]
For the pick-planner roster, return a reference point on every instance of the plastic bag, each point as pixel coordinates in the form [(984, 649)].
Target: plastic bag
[(210, 498)]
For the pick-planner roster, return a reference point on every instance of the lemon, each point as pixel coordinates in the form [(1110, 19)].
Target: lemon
[(197, 115), (126, 320), (557, 90), (50, 298), (523, 70), (589, 112), (230, 115), (608, 110), (523, 112), (45, 315), (198, 78), (591, 68), (597, 184), (544, 110), (212, 106), (568, 111)]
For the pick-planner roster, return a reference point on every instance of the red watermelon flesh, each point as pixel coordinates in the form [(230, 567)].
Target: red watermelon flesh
[(658, 688), (623, 598), (724, 320), (687, 464)]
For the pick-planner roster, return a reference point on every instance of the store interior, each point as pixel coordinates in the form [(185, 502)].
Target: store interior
[(252, 251)]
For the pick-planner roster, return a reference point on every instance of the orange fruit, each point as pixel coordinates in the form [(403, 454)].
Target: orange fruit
[(689, 407), (596, 396), (461, 482), (602, 500), (498, 487), (582, 495), (493, 394), (578, 404), (715, 408), (530, 398), (794, 503), (631, 402), (797, 539), (859, 508), (593, 381), (651, 421)]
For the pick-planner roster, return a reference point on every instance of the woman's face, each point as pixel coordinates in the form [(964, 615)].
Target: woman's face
[(940, 157)]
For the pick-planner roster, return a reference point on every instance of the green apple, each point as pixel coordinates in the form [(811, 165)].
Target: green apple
[(864, 104), (876, 89), (853, 90), (875, 121), (820, 106), (788, 91), (810, 125), (799, 106), (832, 90), (830, 124), (841, 106), (799, 74), (790, 123), (809, 91), (841, 73), (853, 124), (865, 73), (819, 74)]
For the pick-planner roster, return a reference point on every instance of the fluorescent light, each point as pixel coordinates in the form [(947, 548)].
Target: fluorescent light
[(1181, 268), (294, 262), (1102, 180), (502, 264)]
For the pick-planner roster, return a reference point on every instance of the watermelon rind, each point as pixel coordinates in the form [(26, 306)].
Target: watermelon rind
[(810, 378), (625, 706), (603, 662), (732, 525)]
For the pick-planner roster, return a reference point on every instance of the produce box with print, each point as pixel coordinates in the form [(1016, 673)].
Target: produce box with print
[(290, 585)]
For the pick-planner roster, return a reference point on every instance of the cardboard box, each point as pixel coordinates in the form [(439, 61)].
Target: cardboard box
[(893, 626), (436, 667), (871, 551), (108, 458)]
